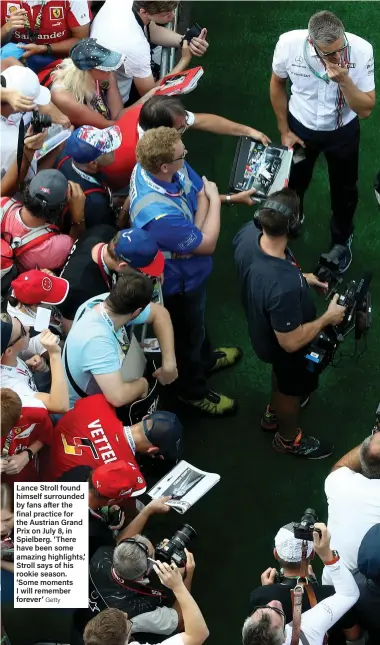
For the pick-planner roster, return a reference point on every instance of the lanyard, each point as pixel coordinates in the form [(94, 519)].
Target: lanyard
[(93, 180), (107, 278), (34, 33), (7, 443), (124, 344)]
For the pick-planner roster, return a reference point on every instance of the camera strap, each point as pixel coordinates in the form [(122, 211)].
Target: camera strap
[(137, 587)]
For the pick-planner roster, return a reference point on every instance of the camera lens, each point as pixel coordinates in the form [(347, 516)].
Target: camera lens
[(184, 535)]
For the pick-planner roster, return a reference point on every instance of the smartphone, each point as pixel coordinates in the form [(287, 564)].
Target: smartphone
[(192, 32)]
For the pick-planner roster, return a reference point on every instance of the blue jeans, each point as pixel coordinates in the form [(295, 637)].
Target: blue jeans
[(192, 346)]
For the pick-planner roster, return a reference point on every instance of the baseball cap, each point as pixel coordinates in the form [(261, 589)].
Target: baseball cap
[(88, 54), (288, 547), (6, 333), (119, 479), (140, 250), (49, 186), (24, 80), (88, 143), (35, 287), (166, 433), (369, 554)]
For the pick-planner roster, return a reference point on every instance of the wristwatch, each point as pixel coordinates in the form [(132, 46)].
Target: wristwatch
[(229, 200), (49, 50), (335, 559), (30, 453)]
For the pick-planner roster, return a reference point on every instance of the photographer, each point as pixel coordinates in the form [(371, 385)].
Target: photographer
[(123, 578), (278, 586), (353, 495), (112, 626), (282, 318), (268, 623)]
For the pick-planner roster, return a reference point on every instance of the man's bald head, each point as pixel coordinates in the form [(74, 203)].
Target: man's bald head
[(370, 456)]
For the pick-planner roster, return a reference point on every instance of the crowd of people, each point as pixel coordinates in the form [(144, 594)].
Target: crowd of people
[(113, 231)]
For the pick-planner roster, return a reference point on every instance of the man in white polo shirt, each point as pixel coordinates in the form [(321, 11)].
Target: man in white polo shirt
[(332, 76), (353, 495)]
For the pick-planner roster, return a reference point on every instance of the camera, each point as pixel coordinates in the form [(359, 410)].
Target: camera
[(303, 530), (174, 549), (40, 121), (114, 517), (192, 32), (358, 316)]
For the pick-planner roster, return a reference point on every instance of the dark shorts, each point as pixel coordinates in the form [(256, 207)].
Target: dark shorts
[(293, 375)]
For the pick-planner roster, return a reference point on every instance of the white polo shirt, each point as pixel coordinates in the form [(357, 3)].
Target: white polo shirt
[(314, 102), (354, 507), (116, 27)]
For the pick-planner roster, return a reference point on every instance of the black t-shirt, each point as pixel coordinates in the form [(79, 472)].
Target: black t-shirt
[(275, 294), (263, 595), (98, 208), (82, 273), (367, 609), (99, 533)]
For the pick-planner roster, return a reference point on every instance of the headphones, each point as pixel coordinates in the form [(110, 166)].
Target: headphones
[(143, 547), (293, 219)]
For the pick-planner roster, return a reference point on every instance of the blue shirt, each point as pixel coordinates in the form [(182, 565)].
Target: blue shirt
[(92, 347), (172, 230)]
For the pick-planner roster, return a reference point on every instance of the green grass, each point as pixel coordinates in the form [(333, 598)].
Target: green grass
[(260, 490)]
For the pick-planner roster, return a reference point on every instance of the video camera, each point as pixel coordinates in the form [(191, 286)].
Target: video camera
[(358, 316), (174, 549), (40, 121), (303, 530)]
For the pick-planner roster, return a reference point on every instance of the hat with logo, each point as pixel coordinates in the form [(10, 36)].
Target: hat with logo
[(6, 331), (24, 80), (288, 547), (120, 479), (88, 54), (34, 287), (369, 554), (49, 187), (140, 250), (164, 430), (87, 143)]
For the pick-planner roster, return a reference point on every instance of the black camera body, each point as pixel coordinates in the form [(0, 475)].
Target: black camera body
[(40, 122), (303, 530), (192, 32), (358, 316), (174, 549)]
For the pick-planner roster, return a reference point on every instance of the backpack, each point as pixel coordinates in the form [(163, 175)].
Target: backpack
[(29, 240)]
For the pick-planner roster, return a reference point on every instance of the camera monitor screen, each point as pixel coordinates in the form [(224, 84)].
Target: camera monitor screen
[(264, 168)]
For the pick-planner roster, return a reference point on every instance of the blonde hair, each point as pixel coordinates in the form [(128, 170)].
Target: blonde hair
[(69, 78), (156, 147)]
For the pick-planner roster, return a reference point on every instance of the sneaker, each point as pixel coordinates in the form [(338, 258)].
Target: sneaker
[(226, 357), (213, 404), (269, 421), (303, 446), (302, 218), (342, 253)]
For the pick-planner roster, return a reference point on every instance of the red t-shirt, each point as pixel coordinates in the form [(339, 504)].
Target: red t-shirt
[(88, 435), (34, 425), (119, 172), (57, 19)]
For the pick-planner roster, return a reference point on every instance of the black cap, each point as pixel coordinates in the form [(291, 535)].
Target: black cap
[(369, 554), (88, 54), (49, 186), (166, 433)]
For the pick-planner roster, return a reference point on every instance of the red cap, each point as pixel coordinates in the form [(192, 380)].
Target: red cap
[(119, 479), (35, 287)]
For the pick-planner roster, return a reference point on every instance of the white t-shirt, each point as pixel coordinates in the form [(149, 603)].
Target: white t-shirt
[(173, 640), (313, 101), (9, 130), (354, 507), (116, 27), (20, 379)]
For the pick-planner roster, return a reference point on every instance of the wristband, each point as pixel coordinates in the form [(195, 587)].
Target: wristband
[(30, 453), (229, 200), (49, 50), (335, 559)]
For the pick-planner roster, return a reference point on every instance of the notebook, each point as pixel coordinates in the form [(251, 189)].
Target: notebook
[(181, 83)]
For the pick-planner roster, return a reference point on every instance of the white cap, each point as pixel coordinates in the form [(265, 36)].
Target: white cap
[(24, 80), (288, 547)]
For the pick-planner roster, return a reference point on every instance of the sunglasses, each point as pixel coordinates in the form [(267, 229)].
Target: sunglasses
[(337, 51), (275, 609), (181, 157), (23, 333)]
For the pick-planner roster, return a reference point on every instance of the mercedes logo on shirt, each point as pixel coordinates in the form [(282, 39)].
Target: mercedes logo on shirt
[(299, 60)]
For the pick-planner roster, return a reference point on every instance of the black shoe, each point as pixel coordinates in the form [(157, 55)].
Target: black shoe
[(303, 446), (342, 254)]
